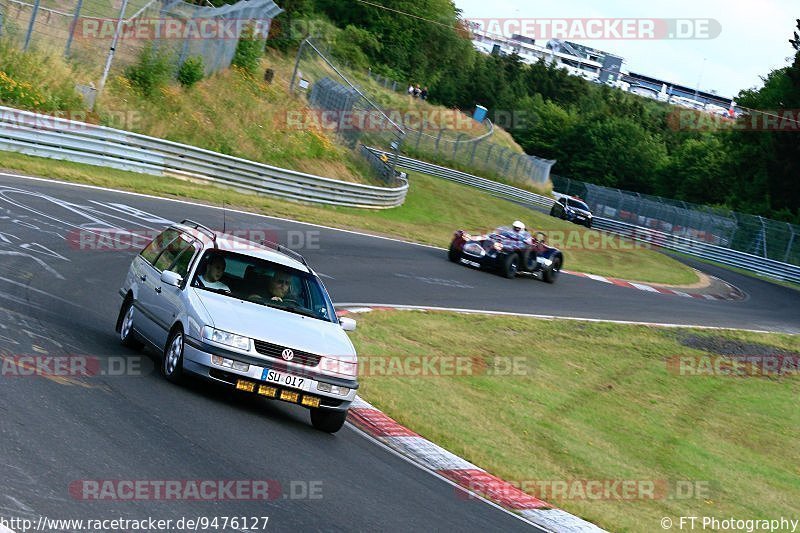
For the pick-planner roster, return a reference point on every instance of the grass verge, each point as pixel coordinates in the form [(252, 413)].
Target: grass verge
[(597, 402), (433, 210)]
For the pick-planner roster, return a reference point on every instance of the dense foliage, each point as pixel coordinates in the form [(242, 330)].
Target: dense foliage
[(598, 134)]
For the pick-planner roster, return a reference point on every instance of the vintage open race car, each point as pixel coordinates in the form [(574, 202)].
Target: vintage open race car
[(507, 252)]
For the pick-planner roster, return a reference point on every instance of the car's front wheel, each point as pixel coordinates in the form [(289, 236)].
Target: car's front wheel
[(328, 421), (588, 223), (125, 325), (550, 274), (172, 363)]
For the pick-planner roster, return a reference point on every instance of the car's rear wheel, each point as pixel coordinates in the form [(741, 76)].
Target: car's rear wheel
[(125, 325), (551, 273), (588, 223), (553, 212), (172, 363), (453, 254), (510, 265), (328, 421)]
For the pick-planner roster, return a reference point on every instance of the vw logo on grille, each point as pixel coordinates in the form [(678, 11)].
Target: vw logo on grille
[(287, 354)]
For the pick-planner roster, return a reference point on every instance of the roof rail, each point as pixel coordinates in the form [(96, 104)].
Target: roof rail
[(285, 250), (199, 227)]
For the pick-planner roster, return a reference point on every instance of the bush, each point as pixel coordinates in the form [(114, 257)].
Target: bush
[(248, 51), (191, 71), (152, 70), (36, 80)]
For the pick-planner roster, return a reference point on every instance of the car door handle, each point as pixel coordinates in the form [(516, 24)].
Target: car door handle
[(143, 278), (158, 290)]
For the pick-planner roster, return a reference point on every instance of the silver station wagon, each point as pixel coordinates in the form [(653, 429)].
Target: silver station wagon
[(253, 316)]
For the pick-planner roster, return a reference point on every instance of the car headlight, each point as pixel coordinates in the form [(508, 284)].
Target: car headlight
[(498, 246), (228, 339), (337, 366)]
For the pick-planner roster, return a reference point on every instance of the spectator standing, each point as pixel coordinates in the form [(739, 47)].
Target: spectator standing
[(424, 93)]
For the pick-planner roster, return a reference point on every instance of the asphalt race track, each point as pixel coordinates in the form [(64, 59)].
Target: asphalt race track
[(59, 299)]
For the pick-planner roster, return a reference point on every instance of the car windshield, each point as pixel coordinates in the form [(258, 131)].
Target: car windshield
[(577, 204), (263, 282)]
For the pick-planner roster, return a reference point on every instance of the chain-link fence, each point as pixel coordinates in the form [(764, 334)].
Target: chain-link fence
[(85, 30), (746, 233), (479, 156), (466, 150), (344, 108)]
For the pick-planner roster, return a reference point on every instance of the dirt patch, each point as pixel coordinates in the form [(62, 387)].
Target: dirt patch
[(723, 346)]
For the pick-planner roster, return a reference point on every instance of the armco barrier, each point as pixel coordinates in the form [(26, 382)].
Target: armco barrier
[(726, 256), (58, 138)]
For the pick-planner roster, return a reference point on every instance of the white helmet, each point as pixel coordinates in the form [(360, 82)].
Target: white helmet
[(518, 226)]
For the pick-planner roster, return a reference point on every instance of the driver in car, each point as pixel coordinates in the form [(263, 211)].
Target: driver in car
[(279, 286), (518, 232)]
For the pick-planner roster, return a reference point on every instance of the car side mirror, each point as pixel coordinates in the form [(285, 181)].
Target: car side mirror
[(171, 278), (348, 324)]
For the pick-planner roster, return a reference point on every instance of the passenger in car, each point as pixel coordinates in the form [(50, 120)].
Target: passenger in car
[(215, 268)]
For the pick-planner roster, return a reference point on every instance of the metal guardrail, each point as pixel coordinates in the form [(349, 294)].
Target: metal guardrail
[(492, 187), (726, 256), (59, 138)]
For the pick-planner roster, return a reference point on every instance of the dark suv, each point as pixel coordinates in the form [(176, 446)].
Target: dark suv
[(573, 209)]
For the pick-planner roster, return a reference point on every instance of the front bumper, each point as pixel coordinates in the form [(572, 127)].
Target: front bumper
[(197, 360)]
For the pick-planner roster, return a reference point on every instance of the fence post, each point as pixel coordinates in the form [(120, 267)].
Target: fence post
[(499, 158), (789, 246), (508, 164), (297, 65), (489, 153), (111, 50), (519, 160), (72, 27), (455, 146), (439, 138), (30, 25), (474, 149)]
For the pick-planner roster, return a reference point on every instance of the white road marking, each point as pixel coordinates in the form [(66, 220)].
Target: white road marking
[(360, 307)]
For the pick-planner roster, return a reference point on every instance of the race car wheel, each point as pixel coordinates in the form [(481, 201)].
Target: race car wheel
[(510, 265), (453, 254), (528, 262), (588, 223), (553, 212), (550, 274)]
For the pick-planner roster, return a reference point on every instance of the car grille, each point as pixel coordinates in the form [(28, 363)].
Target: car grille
[(274, 351)]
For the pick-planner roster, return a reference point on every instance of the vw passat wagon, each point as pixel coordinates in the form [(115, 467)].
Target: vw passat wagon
[(251, 316)]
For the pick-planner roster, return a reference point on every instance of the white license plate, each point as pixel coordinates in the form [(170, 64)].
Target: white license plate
[(286, 380)]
